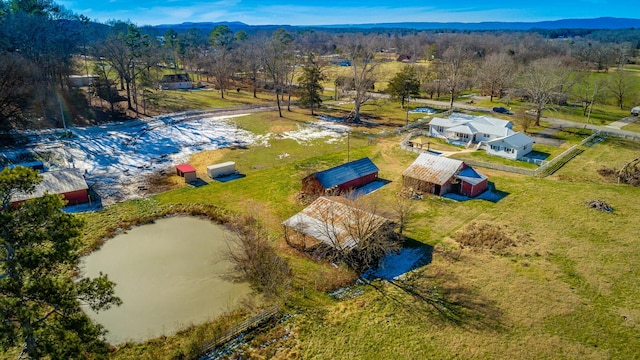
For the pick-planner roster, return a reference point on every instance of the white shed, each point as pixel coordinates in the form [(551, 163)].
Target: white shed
[(222, 169)]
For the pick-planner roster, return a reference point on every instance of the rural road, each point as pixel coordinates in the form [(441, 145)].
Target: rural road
[(613, 128)]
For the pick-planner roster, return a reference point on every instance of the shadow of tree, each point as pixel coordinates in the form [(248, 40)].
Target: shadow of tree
[(441, 295)]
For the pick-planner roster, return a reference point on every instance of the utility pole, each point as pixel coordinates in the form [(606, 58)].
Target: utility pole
[(348, 144)]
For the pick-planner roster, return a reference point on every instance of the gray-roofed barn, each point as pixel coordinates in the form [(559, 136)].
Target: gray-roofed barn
[(69, 183), (342, 178)]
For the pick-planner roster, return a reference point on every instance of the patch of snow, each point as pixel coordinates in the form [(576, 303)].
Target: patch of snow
[(393, 266), (317, 130), (118, 157)]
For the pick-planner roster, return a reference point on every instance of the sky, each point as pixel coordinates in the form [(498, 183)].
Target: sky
[(327, 12)]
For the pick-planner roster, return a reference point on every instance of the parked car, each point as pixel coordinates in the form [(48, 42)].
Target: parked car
[(531, 112), (501, 110), (635, 111)]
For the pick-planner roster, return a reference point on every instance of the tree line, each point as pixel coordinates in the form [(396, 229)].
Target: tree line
[(42, 45)]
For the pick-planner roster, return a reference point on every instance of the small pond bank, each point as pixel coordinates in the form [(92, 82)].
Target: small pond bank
[(169, 275)]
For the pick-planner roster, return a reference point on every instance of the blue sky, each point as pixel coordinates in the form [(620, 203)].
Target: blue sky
[(327, 12)]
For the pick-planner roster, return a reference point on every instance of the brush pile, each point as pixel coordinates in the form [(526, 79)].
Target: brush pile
[(599, 205)]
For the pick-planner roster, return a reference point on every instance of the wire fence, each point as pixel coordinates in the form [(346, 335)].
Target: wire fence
[(238, 329)]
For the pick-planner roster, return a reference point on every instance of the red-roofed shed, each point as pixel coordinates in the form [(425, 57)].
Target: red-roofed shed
[(186, 171)]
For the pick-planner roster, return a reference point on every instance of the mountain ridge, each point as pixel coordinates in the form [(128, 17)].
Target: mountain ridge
[(604, 23)]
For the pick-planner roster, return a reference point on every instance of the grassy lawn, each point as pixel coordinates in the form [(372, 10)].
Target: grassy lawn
[(567, 289), (634, 126)]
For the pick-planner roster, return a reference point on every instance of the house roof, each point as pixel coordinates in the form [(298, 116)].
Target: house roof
[(493, 130), (462, 129), (56, 182), (471, 176), (346, 172), (515, 140), (433, 169), (469, 124), (185, 168), (329, 218)]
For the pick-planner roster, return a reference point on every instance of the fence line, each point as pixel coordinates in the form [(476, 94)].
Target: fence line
[(238, 329)]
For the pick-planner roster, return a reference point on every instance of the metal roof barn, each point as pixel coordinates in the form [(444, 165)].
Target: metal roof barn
[(434, 169), (69, 183), (440, 175), (344, 177), (331, 220)]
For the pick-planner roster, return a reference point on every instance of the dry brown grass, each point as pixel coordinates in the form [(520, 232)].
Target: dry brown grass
[(495, 237)]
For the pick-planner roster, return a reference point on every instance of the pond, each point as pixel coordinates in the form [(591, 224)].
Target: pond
[(169, 275)]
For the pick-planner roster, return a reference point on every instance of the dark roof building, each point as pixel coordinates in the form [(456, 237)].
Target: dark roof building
[(341, 178)]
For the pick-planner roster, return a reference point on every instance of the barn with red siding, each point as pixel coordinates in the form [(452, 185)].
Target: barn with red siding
[(69, 183), (440, 175), (342, 178)]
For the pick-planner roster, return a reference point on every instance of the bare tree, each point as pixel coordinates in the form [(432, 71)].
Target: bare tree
[(276, 52), (252, 59), (496, 74), (255, 259), (354, 230), (403, 208), (361, 54), (542, 80), (15, 89), (222, 67), (619, 85), (455, 69)]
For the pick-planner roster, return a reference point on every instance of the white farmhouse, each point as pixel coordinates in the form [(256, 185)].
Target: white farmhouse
[(514, 146), (466, 129), (493, 134)]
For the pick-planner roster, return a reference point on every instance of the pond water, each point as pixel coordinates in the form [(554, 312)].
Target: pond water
[(169, 275)]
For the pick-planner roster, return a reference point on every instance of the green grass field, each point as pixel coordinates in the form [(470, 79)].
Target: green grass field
[(569, 291)]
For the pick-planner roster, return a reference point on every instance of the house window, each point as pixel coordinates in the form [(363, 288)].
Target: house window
[(509, 150)]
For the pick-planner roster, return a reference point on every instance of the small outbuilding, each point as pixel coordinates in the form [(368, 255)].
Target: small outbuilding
[(176, 82), (342, 178), (82, 80), (440, 175), (69, 183), (222, 169), (186, 171)]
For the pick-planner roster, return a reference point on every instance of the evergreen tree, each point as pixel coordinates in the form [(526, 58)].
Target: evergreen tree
[(39, 297), (404, 84), (310, 87)]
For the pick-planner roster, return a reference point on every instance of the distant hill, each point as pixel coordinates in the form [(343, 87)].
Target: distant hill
[(597, 23), (235, 26)]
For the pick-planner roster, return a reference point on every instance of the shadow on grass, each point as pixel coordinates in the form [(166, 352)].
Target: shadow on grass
[(368, 189), (491, 194), (198, 182), (413, 255), (228, 178), (424, 296)]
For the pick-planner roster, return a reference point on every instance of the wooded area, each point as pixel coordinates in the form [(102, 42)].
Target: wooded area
[(43, 46)]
